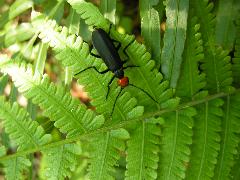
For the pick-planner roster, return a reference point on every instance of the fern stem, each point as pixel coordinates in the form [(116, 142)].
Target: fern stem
[(120, 125)]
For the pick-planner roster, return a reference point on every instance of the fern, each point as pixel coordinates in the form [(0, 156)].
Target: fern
[(199, 138), (20, 127), (14, 167), (143, 150), (204, 151), (176, 138), (147, 76), (56, 102), (60, 161), (230, 137), (236, 59), (174, 38), (206, 139), (105, 153)]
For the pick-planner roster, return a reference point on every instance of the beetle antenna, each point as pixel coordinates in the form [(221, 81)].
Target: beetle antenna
[(144, 92), (116, 101)]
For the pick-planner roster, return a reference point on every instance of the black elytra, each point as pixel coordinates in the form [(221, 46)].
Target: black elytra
[(109, 54)]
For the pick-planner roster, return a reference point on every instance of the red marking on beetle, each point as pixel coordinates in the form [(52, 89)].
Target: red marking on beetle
[(123, 82)]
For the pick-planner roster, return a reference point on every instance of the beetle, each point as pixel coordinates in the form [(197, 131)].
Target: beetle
[(109, 54)]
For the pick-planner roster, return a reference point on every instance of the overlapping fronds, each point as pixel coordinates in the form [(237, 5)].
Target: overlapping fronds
[(146, 75), (191, 80), (176, 138), (71, 51), (174, 38), (69, 115), (229, 137), (206, 140), (143, 150), (60, 161), (216, 64), (20, 127), (106, 149)]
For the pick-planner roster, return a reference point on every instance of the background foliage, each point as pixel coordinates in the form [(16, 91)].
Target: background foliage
[(188, 58)]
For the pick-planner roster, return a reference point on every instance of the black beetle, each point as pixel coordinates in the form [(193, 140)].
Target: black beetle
[(109, 54)]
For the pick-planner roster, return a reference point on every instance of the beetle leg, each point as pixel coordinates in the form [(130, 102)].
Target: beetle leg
[(130, 66), (95, 55), (116, 101), (109, 84), (93, 67)]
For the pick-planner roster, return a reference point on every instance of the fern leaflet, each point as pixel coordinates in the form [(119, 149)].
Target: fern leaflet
[(69, 115), (58, 162), (19, 126), (176, 138), (230, 137), (174, 38), (106, 148), (143, 150)]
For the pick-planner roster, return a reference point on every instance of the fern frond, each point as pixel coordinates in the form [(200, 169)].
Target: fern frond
[(73, 52), (90, 13), (206, 140), (58, 162), (216, 64), (14, 167), (236, 59), (203, 10), (191, 81), (174, 38), (106, 148), (176, 138), (146, 76), (143, 150), (19, 126), (69, 115), (217, 67), (230, 137)]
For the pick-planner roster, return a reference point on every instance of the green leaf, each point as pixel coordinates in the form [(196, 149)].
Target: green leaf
[(217, 67), (18, 124), (174, 38), (206, 140), (176, 138), (108, 9), (191, 81), (150, 28), (20, 33), (229, 137), (18, 7), (69, 115), (15, 167), (236, 59), (105, 153), (143, 150), (60, 161), (225, 29), (90, 13)]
